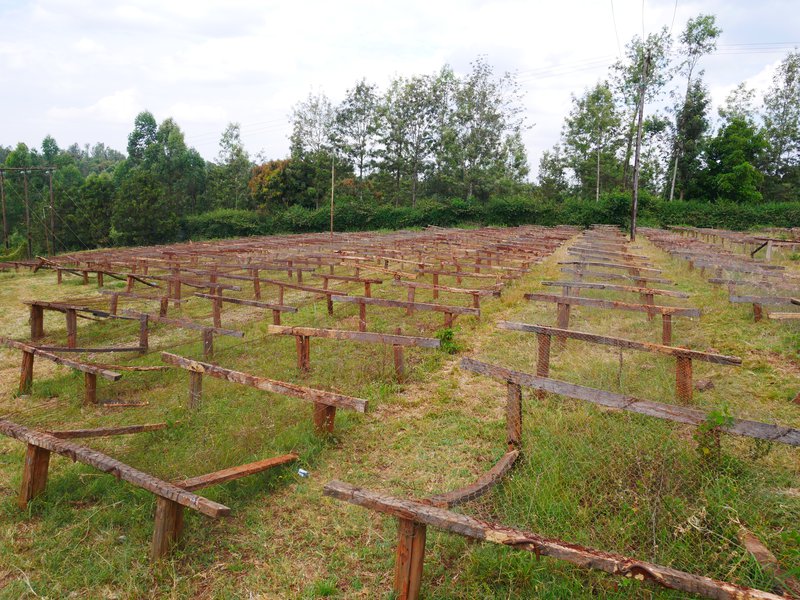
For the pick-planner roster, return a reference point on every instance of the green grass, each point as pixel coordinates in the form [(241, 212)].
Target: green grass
[(614, 481)]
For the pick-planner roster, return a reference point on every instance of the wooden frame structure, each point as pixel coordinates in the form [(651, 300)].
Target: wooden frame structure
[(683, 357), (303, 337), (325, 403), (450, 312), (564, 304)]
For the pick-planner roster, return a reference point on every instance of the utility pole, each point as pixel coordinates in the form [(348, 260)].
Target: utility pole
[(3, 202), (333, 173), (642, 89), (27, 215), (52, 215)]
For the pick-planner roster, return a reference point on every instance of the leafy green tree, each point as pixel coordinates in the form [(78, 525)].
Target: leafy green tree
[(92, 212), (312, 144), (732, 157), (592, 137), (739, 105), (142, 214), (228, 178), (552, 179), (698, 39), (356, 127), (143, 135), (782, 129)]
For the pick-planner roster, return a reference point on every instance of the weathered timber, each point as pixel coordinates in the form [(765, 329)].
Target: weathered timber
[(631, 268), (481, 485), (187, 324), (710, 357), (677, 311), (443, 308), (59, 360), (644, 291), (639, 280), (276, 309), (106, 464), (615, 564), (669, 412), (107, 431), (356, 336), (267, 385), (204, 481)]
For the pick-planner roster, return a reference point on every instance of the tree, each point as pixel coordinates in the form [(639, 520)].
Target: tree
[(270, 184), (356, 128), (143, 134), (739, 105), (592, 136), (141, 213), (782, 128), (552, 179), (228, 179), (633, 83), (312, 144), (731, 158), (692, 124), (92, 212), (697, 39)]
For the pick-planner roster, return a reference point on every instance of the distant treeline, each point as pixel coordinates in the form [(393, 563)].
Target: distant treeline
[(442, 149)]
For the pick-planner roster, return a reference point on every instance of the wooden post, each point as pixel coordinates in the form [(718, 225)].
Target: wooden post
[(330, 304), (128, 286), (37, 322), (410, 298), (99, 279), (58, 276), (195, 389), (435, 286), (26, 373), (666, 329), (543, 360), (208, 343), (276, 317), (399, 359), (476, 300), (144, 334), (113, 305), (683, 378), (448, 320), (90, 388), (409, 560), (256, 285), (324, 417), (649, 299), (72, 327), (34, 474), (514, 415), (758, 312), (85, 277), (367, 289), (217, 312), (362, 316), (562, 321), (280, 294), (167, 528), (303, 345), (164, 307)]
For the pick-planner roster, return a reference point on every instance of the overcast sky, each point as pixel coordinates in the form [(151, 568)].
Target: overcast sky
[(80, 70)]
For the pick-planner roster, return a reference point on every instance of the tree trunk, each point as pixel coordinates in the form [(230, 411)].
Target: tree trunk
[(597, 181)]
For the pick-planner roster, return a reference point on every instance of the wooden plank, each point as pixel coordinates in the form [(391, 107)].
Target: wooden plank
[(455, 310), (784, 316), (481, 485), (203, 481), (106, 431), (95, 350), (615, 564), (611, 265), (255, 303), (34, 474), (356, 336), (267, 385), (409, 559), (775, 300), (669, 412), (186, 324), (66, 362), (616, 288), (106, 464), (613, 304), (719, 359)]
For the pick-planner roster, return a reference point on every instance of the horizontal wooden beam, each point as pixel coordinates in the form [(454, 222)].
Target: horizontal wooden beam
[(677, 311), (95, 350), (255, 303), (267, 385), (120, 470), (583, 556), (356, 336), (186, 324), (616, 288), (669, 412), (617, 276), (107, 431), (719, 359), (455, 310), (610, 265), (769, 300), (204, 481), (66, 362)]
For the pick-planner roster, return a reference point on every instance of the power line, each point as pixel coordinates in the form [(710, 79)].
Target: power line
[(674, 12), (616, 33)]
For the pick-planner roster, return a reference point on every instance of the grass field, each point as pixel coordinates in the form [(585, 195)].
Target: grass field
[(613, 481)]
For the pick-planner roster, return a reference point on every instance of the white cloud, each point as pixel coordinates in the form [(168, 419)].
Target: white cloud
[(119, 107)]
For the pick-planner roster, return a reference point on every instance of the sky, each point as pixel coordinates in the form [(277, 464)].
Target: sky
[(81, 70)]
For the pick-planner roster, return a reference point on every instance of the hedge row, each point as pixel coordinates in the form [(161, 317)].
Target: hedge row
[(612, 209)]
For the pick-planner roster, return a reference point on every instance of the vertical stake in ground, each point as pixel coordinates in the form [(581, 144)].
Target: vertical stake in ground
[(409, 560)]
